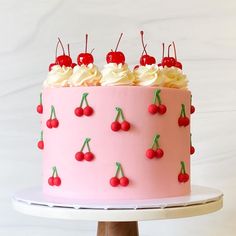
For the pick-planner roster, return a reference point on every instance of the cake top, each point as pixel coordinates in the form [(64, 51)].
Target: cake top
[(65, 73)]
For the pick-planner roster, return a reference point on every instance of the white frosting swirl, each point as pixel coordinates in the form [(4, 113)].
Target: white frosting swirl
[(148, 76), (85, 76), (114, 74), (58, 77), (172, 77)]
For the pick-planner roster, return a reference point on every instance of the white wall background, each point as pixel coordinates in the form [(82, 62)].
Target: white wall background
[(205, 34)]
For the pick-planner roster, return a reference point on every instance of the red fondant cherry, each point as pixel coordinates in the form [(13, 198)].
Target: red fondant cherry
[(192, 109), (150, 153), (152, 108), (55, 123), (88, 156), (49, 123), (51, 181), (186, 121), (124, 181), (181, 121), (159, 153), (116, 126), (114, 181), (181, 177), (88, 111), (116, 56), (125, 125), (185, 177), (40, 108), (79, 111), (161, 109), (192, 150), (41, 144), (57, 181), (79, 156)]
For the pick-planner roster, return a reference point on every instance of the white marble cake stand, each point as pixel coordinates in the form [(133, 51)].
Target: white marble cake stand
[(119, 219)]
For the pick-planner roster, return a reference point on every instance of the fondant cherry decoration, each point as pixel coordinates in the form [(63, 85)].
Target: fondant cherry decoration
[(168, 61), (116, 56), (192, 108), (155, 150), (160, 108), (177, 63), (87, 111), (85, 58), (192, 149), (146, 59), (116, 125), (183, 119), (115, 181), (88, 156), (183, 176), (62, 60), (40, 106), (52, 122), (41, 142), (54, 179)]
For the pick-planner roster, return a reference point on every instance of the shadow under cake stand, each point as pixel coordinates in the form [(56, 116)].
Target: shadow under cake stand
[(119, 219)]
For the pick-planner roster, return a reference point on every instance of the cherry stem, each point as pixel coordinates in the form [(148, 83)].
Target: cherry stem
[(183, 171), (41, 135), (163, 50), (190, 139), (53, 112), (169, 50), (142, 33), (173, 43), (52, 108), (92, 50), (155, 141), (118, 113), (143, 49), (86, 43), (117, 168), (183, 110), (157, 96), (121, 171), (56, 50), (118, 42), (59, 40), (54, 171), (87, 142), (83, 98), (68, 48), (191, 99), (40, 99)]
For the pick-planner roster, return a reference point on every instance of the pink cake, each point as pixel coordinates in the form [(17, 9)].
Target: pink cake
[(116, 134)]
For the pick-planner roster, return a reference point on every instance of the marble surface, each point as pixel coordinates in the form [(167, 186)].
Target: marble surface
[(205, 35)]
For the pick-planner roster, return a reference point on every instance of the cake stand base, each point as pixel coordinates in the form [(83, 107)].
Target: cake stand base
[(120, 219)]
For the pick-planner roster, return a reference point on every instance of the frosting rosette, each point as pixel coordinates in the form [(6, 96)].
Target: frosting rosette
[(148, 76), (58, 77), (85, 76), (172, 77), (116, 74)]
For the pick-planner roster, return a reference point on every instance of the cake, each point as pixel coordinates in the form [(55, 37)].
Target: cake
[(115, 134)]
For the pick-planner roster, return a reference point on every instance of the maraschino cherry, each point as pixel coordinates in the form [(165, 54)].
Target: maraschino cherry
[(168, 61), (116, 56), (146, 59), (85, 58), (62, 60), (177, 63)]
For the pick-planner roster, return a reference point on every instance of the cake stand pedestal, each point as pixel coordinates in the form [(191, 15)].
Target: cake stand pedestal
[(119, 219)]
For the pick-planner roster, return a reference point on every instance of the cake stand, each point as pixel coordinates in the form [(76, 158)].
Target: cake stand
[(119, 219)]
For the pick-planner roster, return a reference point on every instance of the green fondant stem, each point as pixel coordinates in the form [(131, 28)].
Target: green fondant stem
[(85, 98), (183, 110), (155, 141), (158, 96), (53, 171), (121, 171), (41, 135), (122, 115), (183, 171), (40, 99), (191, 139), (118, 113), (87, 142), (117, 168)]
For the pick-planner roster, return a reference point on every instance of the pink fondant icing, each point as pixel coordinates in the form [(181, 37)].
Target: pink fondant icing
[(149, 179)]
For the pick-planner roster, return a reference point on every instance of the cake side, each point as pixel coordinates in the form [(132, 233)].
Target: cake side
[(90, 180)]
